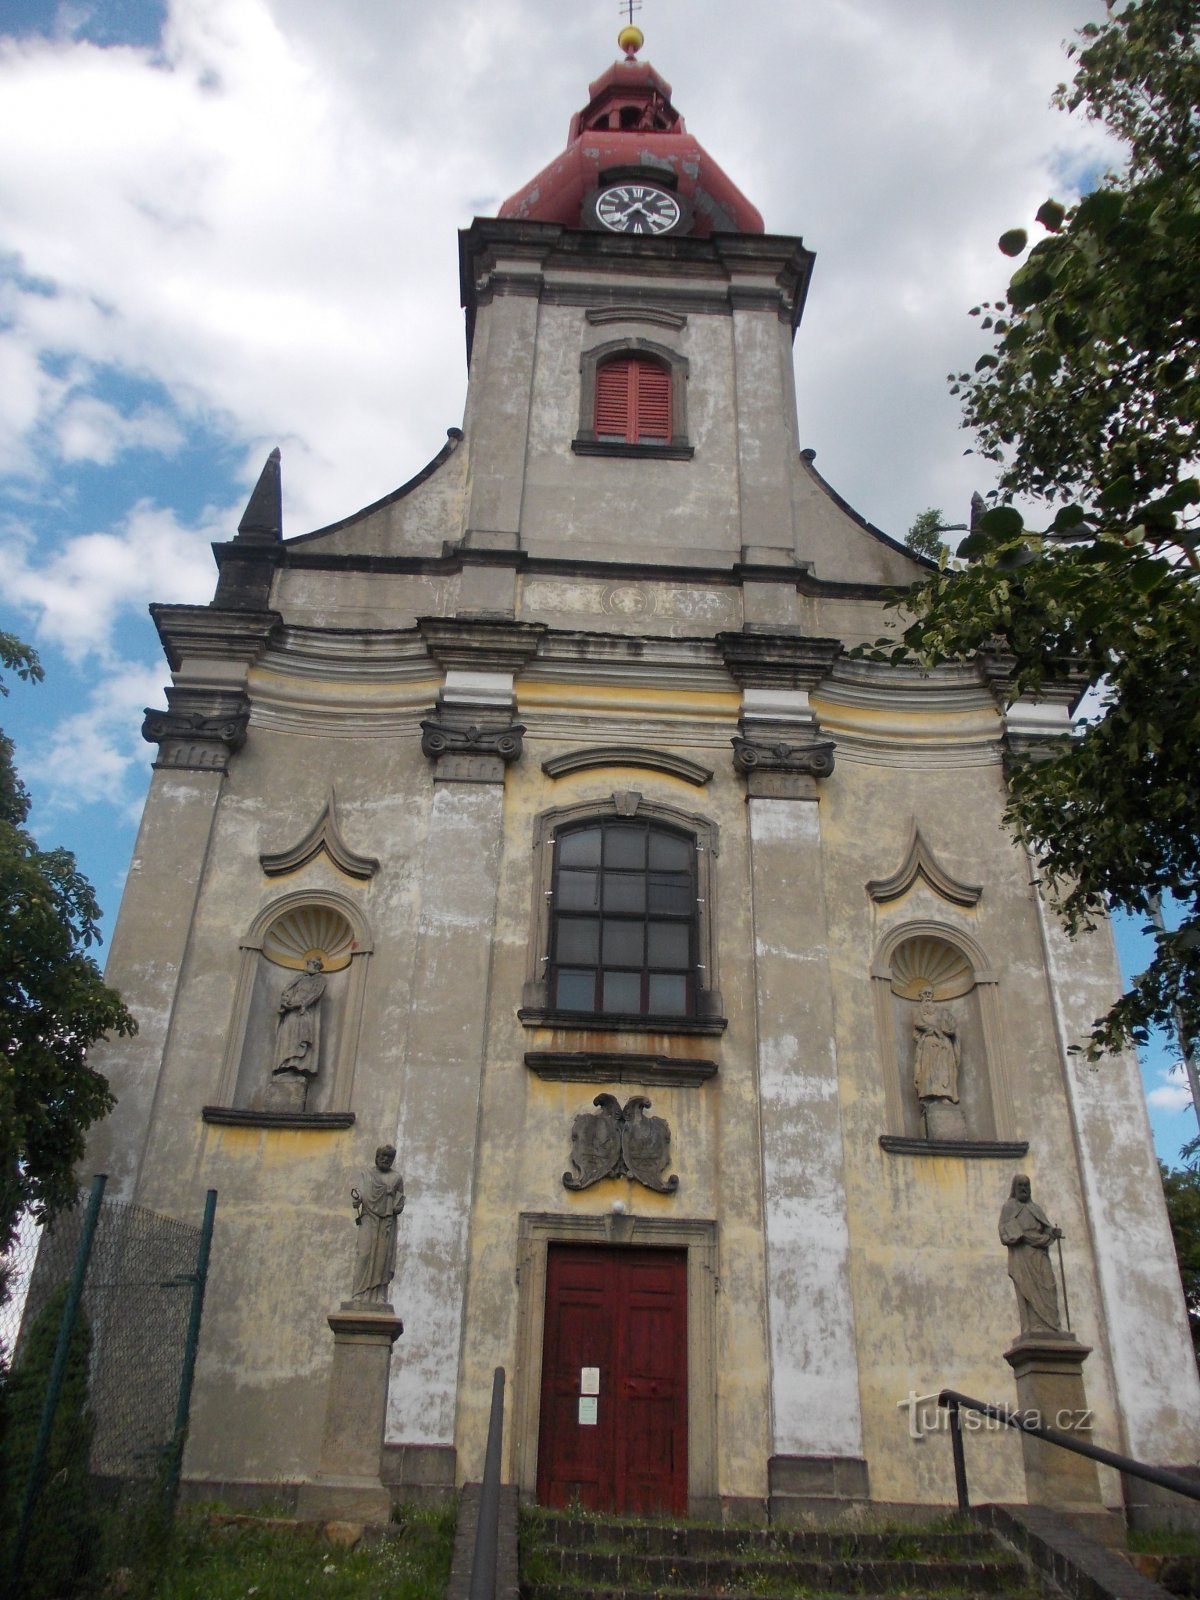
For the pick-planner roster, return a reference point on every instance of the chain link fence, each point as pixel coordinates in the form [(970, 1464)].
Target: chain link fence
[(102, 1314)]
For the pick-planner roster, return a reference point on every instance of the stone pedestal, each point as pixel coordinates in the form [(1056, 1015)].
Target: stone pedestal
[(1048, 1368), (348, 1487)]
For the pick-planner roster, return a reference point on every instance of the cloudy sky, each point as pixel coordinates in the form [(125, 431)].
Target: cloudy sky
[(231, 224)]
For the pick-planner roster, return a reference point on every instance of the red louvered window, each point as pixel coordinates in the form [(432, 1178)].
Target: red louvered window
[(633, 400)]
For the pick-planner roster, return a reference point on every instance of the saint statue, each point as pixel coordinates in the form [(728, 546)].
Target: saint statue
[(297, 1038), (936, 1061), (1026, 1230), (378, 1200)]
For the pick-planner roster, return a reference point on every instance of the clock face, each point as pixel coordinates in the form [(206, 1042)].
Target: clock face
[(637, 208)]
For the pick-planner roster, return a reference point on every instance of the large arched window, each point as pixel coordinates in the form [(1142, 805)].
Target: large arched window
[(633, 400), (623, 920)]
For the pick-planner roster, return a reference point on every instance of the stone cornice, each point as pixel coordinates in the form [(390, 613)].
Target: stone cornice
[(205, 631), (477, 644), (770, 660)]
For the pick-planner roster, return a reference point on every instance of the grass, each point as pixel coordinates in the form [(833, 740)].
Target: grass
[(205, 1558), (1165, 1542)]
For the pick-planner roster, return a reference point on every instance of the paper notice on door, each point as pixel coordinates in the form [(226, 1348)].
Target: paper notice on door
[(589, 1380), (588, 1406)]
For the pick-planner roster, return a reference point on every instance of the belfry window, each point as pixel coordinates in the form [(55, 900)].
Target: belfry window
[(624, 920), (633, 400)]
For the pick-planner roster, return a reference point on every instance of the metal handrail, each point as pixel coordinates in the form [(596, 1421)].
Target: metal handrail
[(952, 1401), (487, 1529)]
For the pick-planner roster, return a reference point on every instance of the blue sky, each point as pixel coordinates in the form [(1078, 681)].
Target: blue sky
[(231, 224)]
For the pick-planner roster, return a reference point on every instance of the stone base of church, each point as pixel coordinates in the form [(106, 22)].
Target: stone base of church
[(348, 1486), (1048, 1368), (803, 1487)]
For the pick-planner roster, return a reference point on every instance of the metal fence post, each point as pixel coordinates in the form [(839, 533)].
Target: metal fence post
[(200, 1278), (960, 1460), (37, 1465)]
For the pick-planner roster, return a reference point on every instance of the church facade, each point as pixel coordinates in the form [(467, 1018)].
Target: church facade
[(538, 821)]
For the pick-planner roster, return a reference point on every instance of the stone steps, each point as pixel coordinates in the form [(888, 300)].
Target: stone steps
[(568, 1558)]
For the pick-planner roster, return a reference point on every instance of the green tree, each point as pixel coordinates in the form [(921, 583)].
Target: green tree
[(1181, 1190), (924, 537), (1089, 402), (53, 1002)]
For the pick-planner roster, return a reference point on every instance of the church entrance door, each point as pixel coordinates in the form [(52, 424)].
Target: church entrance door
[(613, 1425)]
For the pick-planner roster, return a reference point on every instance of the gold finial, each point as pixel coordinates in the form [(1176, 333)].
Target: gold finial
[(631, 38)]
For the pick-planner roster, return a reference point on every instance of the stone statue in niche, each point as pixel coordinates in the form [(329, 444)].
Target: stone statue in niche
[(618, 1142), (1028, 1233), (937, 1057), (297, 1039), (378, 1199)]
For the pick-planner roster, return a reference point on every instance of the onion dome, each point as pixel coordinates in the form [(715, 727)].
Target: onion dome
[(631, 166)]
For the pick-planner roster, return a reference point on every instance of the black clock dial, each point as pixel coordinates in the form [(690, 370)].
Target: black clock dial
[(637, 208)]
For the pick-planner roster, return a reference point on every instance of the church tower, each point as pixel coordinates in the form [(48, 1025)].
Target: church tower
[(538, 820)]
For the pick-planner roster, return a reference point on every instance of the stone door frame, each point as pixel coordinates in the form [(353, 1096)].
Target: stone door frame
[(699, 1238)]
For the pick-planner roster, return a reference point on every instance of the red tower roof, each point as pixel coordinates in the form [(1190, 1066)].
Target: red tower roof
[(630, 128)]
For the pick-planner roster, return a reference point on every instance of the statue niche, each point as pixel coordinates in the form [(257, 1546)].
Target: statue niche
[(939, 1041), (297, 1005)]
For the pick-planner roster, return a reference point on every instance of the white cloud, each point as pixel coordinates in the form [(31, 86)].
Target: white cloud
[(1172, 1094), (91, 430), (78, 594), (96, 753)]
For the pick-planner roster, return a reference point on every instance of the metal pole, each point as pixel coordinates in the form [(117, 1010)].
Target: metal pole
[(483, 1571), (58, 1371), (1189, 1059), (960, 1460), (183, 1406), (1062, 1274)]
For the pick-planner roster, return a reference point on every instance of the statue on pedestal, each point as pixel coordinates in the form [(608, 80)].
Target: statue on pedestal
[(378, 1200), (1028, 1233)]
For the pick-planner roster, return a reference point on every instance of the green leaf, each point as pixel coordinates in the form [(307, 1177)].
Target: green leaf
[(1001, 522), (1050, 214), (1014, 241)]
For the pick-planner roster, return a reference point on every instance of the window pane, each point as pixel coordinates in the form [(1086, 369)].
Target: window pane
[(624, 943), (624, 892), (579, 891), (669, 852), (668, 995), (622, 991), (672, 896), (576, 991), (578, 939), (668, 944), (625, 847), (580, 848)]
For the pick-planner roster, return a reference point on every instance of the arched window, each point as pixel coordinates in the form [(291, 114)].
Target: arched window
[(623, 928), (633, 401)]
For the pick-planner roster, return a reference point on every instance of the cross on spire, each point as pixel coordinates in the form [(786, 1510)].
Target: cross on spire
[(629, 7)]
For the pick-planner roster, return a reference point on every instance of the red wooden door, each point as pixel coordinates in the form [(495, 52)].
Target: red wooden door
[(622, 1312)]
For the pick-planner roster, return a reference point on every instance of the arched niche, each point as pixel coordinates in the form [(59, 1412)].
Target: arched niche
[(284, 936), (922, 955)]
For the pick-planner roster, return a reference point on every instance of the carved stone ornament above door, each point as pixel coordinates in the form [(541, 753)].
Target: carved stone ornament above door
[(620, 1142)]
